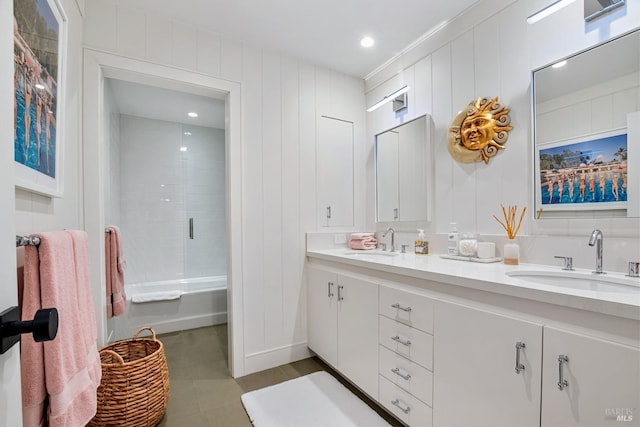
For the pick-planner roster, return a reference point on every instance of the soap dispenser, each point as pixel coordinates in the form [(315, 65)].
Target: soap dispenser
[(422, 246), (452, 240)]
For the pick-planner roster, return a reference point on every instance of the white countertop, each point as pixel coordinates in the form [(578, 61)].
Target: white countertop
[(616, 300)]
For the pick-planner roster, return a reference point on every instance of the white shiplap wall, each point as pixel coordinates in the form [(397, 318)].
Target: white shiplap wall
[(491, 51), (281, 101)]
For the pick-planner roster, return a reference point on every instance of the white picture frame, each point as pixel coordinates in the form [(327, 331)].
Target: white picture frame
[(40, 36)]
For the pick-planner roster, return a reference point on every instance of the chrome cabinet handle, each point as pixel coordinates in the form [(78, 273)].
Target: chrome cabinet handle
[(399, 307), (340, 297), (562, 383), (329, 293), (191, 228), (396, 403), (397, 339), (328, 212), (395, 213), (519, 366), (397, 372)]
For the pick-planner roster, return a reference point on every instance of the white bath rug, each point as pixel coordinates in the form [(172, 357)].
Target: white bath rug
[(315, 400)]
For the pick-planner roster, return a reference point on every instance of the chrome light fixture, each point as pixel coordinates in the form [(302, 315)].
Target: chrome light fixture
[(596, 8), (552, 8), (399, 98)]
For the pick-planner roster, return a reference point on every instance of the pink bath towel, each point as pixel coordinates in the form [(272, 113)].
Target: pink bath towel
[(115, 266), (60, 377), (366, 235), (363, 241), (362, 244)]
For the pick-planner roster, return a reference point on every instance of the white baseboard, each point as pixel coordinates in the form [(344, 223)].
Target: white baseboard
[(271, 358)]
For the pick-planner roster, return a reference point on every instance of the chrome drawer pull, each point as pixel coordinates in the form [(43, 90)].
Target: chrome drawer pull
[(562, 383), (397, 372), (519, 366), (396, 305), (397, 339), (397, 404), (329, 293), (340, 297)]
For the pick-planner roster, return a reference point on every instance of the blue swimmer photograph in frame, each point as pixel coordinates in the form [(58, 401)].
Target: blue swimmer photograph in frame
[(589, 173), (38, 33)]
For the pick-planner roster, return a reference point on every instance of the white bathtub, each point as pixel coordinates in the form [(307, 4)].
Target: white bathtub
[(202, 302)]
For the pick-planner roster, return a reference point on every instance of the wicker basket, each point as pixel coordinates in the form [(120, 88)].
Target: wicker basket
[(134, 390)]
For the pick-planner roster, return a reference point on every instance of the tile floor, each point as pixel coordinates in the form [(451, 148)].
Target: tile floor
[(202, 390)]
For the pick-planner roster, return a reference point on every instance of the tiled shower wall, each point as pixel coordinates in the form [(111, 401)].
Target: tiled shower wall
[(161, 187)]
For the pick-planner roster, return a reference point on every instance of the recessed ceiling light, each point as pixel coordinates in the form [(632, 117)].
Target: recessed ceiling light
[(192, 114), (186, 132), (559, 64), (183, 148), (367, 42)]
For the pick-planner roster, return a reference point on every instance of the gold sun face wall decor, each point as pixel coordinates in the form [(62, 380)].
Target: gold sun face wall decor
[(479, 131)]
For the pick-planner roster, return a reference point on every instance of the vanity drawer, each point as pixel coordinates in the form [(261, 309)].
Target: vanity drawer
[(411, 343), (411, 309), (407, 375), (404, 406)]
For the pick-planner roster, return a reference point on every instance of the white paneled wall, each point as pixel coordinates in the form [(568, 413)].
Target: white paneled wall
[(282, 98), (491, 51), (605, 106)]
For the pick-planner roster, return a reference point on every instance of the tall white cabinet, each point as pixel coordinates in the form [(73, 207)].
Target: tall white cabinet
[(335, 179), (342, 319)]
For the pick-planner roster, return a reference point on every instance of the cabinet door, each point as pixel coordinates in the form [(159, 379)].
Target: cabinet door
[(358, 332), (602, 381), (475, 380), (322, 322), (387, 176), (335, 172)]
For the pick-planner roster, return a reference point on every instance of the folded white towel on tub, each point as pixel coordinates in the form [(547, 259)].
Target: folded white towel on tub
[(156, 296)]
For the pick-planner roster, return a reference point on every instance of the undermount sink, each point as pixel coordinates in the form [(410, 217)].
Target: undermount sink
[(580, 280), (357, 254)]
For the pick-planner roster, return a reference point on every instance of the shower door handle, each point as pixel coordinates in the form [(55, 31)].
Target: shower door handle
[(191, 228)]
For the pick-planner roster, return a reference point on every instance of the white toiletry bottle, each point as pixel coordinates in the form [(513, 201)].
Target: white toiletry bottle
[(422, 246), (452, 240)]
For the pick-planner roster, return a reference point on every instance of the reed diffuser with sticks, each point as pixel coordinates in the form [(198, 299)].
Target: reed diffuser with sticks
[(511, 254)]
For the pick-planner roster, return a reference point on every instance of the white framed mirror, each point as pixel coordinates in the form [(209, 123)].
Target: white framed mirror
[(586, 133), (403, 172)]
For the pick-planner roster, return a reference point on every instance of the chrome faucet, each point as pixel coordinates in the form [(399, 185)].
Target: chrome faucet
[(596, 239), (393, 238)]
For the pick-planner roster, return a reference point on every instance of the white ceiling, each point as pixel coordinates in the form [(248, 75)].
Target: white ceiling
[(326, 33), (611, 60), (163, 104), (323, 32)]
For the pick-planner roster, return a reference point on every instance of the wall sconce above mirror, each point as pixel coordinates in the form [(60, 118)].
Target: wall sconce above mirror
[(404, 172), (398, 99), (586, 133), (596, 8)]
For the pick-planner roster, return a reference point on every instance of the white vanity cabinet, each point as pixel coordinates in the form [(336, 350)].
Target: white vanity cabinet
[(445, 352), (476, 382), (335, 182), (600, 381), (342, 325)]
